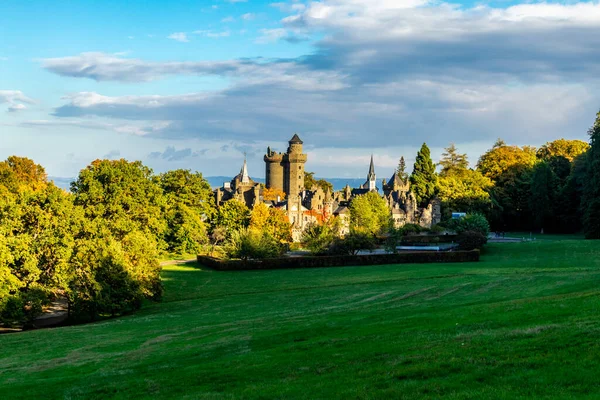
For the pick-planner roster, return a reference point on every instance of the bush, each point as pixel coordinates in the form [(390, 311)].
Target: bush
[(252, 244), (411, 229), (318, 238), (352, 243), (470, 222), (437, 229), (471, 240)]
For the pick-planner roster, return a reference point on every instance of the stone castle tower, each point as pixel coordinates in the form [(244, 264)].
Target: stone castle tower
[(285, 171)]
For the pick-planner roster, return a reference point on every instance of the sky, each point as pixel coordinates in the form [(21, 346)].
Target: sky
[(199, 84)]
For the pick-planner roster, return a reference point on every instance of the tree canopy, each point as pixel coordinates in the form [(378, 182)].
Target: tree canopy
[(423, 179)]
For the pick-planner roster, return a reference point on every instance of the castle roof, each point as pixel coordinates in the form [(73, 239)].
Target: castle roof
[(296, 139), (372, 167)]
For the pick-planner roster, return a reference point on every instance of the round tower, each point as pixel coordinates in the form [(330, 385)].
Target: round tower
[(293, 161), (273, 170)]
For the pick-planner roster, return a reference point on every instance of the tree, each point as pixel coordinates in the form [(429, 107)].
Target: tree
[(188, 204), (465, 192), (401, 170), (124, 195), (568, 149), (452, 162), (310, 182), (369, 213), (273, 194), (19, 173), (248, 243), (543, 193), (423, 179), (502, 157), (591, 194), (233, 216)]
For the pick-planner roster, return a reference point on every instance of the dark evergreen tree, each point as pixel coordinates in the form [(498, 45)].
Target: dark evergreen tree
[(591, 195), (401, 171), (423, 179), (543, 194)]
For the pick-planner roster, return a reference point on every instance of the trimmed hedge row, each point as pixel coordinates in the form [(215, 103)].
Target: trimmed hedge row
[(416, 257)]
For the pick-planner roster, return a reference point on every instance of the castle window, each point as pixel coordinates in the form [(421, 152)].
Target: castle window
[(300, 167)]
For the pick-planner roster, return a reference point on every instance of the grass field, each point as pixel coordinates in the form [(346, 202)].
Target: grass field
[(523, 323)]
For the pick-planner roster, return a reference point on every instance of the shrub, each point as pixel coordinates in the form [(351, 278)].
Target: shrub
[(352, 243), (437, 229), (410, 229), (318, 238), (471, 240), (470, 222), (252, 244)]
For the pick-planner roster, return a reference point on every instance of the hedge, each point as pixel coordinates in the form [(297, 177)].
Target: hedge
[(416, 257)]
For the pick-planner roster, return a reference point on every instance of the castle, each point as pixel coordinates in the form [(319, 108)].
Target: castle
[(284, 172)]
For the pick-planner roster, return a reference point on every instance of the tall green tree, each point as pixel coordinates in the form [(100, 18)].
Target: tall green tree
[(591, 194), (188, 206), (310, 182), (369, 213), (423, 179)]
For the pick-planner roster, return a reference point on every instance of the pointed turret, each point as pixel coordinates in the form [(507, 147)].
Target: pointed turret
[(244, 173), (371, 182), (296, 139)]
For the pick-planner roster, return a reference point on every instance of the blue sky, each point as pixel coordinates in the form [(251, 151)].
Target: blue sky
[(195, 84)]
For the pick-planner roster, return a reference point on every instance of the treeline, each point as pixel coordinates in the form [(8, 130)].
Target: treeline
[(98, 246), (555, 188)]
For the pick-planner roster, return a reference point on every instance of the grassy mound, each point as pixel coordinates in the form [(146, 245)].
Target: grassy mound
[(522, 323)]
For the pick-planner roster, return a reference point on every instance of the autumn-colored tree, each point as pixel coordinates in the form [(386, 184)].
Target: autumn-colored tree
[(568, 149), (19, 174), (452, 161), (502, 157), (273, 194)]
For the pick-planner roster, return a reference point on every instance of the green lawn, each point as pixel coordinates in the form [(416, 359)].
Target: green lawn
[(523, 323)]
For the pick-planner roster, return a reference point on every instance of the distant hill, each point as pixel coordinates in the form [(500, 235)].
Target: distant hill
[(217, 181)]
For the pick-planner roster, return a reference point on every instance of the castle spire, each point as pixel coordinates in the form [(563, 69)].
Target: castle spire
[(371, 182), (244, 172)]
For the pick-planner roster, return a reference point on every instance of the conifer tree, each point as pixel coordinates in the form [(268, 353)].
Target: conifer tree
[(591, 194), (423, 178), (401, 171), (452, 161)]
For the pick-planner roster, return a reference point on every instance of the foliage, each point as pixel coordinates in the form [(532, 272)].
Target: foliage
[(401, 170), (317, 238), (569, 149), (369, 213), (19, 174), (543, 185), (452, 162), (252, 244), (468, 192), (273, 194), (591, 194), (233, 216), (123, 195), (310, 182), (503, 158), (470, 222), (423, 179), (352, 243), (470, 240)]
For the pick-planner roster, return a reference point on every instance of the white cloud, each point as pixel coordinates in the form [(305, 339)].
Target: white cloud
[(15, 100), (271, 35), (128, 128), (16, 108), (179, 36), (213, 34), (248, 16), (228, 19)]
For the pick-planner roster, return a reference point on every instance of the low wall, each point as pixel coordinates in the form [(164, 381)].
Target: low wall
[(416, 257)]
